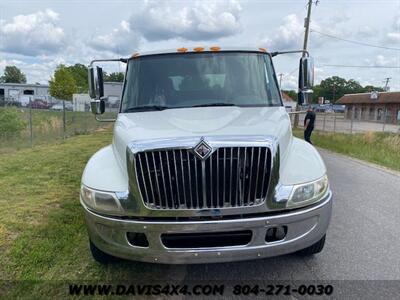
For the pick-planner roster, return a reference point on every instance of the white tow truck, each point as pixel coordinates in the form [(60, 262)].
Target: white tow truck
[(203, 166)]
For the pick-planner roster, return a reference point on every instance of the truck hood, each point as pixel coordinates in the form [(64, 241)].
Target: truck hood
[(201, 122)]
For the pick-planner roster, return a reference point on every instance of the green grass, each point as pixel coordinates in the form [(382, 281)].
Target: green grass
[(43, 239), (376, 147)]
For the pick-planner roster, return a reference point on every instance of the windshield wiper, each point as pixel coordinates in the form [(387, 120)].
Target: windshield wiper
[(146, 108), (214, 104)]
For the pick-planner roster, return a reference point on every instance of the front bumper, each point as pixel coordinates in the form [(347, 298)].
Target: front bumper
[(304, 228)]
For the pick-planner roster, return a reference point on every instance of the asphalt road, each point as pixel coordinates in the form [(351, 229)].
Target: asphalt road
[(363, 240)]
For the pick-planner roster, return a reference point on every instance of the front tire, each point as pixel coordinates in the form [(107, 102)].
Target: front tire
[(314, 248), (99, 255)]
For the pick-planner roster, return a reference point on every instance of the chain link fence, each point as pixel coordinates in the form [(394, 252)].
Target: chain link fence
[(30, 125), (38, 125), (339, 122)]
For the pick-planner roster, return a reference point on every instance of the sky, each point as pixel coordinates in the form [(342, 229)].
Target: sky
[(37, 35)]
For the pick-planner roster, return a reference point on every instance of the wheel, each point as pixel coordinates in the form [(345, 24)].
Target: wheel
[(99, 255), (314, 248)]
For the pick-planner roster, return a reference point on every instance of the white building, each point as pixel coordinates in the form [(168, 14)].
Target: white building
[(112, 91), (80, 102), (23, 92)]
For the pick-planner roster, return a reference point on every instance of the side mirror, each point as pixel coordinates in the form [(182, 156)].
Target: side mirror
[(97, 106), (306, 80), (304, 97), (96, 89)]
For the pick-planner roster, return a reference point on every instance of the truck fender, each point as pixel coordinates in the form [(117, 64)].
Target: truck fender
[(301, 164), (103, 172)]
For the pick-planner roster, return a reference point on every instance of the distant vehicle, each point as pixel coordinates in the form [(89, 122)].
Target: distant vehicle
[(38, 104), (57, 106), (60, 107), (69, 106), (338, 108), (288, 108)]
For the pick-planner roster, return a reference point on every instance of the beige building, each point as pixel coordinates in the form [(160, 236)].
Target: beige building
[(374, 106), (288, 102)]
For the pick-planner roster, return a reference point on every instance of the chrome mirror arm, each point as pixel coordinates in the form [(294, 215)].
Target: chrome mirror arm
[(289, 52)]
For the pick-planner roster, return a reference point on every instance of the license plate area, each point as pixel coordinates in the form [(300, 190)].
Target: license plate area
[(206, 239)]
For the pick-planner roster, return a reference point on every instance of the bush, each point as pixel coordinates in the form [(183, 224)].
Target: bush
[(11, 122)]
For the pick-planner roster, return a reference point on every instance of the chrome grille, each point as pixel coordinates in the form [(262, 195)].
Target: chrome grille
[(178, 179)]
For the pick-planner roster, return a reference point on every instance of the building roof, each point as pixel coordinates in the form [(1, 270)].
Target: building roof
[(286, 97), (24, 84), (365, 98)]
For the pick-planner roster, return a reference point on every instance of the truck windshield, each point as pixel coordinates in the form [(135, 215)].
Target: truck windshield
[(200, 79)]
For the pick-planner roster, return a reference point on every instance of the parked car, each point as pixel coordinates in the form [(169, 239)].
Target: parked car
[(38, 104), (338, 108), (203, 166), (60, 106), (57, 106)]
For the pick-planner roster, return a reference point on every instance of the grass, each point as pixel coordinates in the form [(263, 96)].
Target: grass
[(376, 147), (43, 239)]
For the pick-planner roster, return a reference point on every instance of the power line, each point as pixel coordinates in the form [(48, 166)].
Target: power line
[(360, 66), (354, 42)]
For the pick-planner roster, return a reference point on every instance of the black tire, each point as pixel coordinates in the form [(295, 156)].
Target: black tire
[(314, 248), (99, 255)]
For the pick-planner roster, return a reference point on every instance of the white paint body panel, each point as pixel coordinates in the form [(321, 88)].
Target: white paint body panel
[(300, 162)]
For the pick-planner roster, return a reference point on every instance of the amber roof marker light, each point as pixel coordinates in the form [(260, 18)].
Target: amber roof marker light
[(182, 49), (262, 49), (136, 54), (198, 49), (215, 48)]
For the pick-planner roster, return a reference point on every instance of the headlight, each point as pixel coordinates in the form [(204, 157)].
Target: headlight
[(308, 193), (100, 201)]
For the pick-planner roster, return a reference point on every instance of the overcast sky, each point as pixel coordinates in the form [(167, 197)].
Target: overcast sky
[(37, 35)]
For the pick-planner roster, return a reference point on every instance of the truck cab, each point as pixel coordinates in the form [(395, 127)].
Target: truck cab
[(203, 166)]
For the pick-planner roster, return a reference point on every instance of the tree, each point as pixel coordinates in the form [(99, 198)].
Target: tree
[(62, 85), (13, 75), (371, 88), (114, 77), (11, 122), (333, 88), (80, 74)]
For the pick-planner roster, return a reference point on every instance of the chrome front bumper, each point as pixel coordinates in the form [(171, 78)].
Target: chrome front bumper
[(304, 228)]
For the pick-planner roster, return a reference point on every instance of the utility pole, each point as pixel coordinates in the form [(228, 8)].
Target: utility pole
[(307, 25), (334, 94), (280, 80), (305, 44), (386, 81)]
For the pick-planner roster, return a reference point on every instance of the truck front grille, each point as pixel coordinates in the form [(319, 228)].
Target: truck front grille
[(178, 179)]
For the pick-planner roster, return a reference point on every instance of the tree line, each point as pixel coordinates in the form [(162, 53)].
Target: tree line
[(68, 80), (335, 87)]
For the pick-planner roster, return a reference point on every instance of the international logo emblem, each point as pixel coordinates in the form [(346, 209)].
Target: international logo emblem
[(202, 149)]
